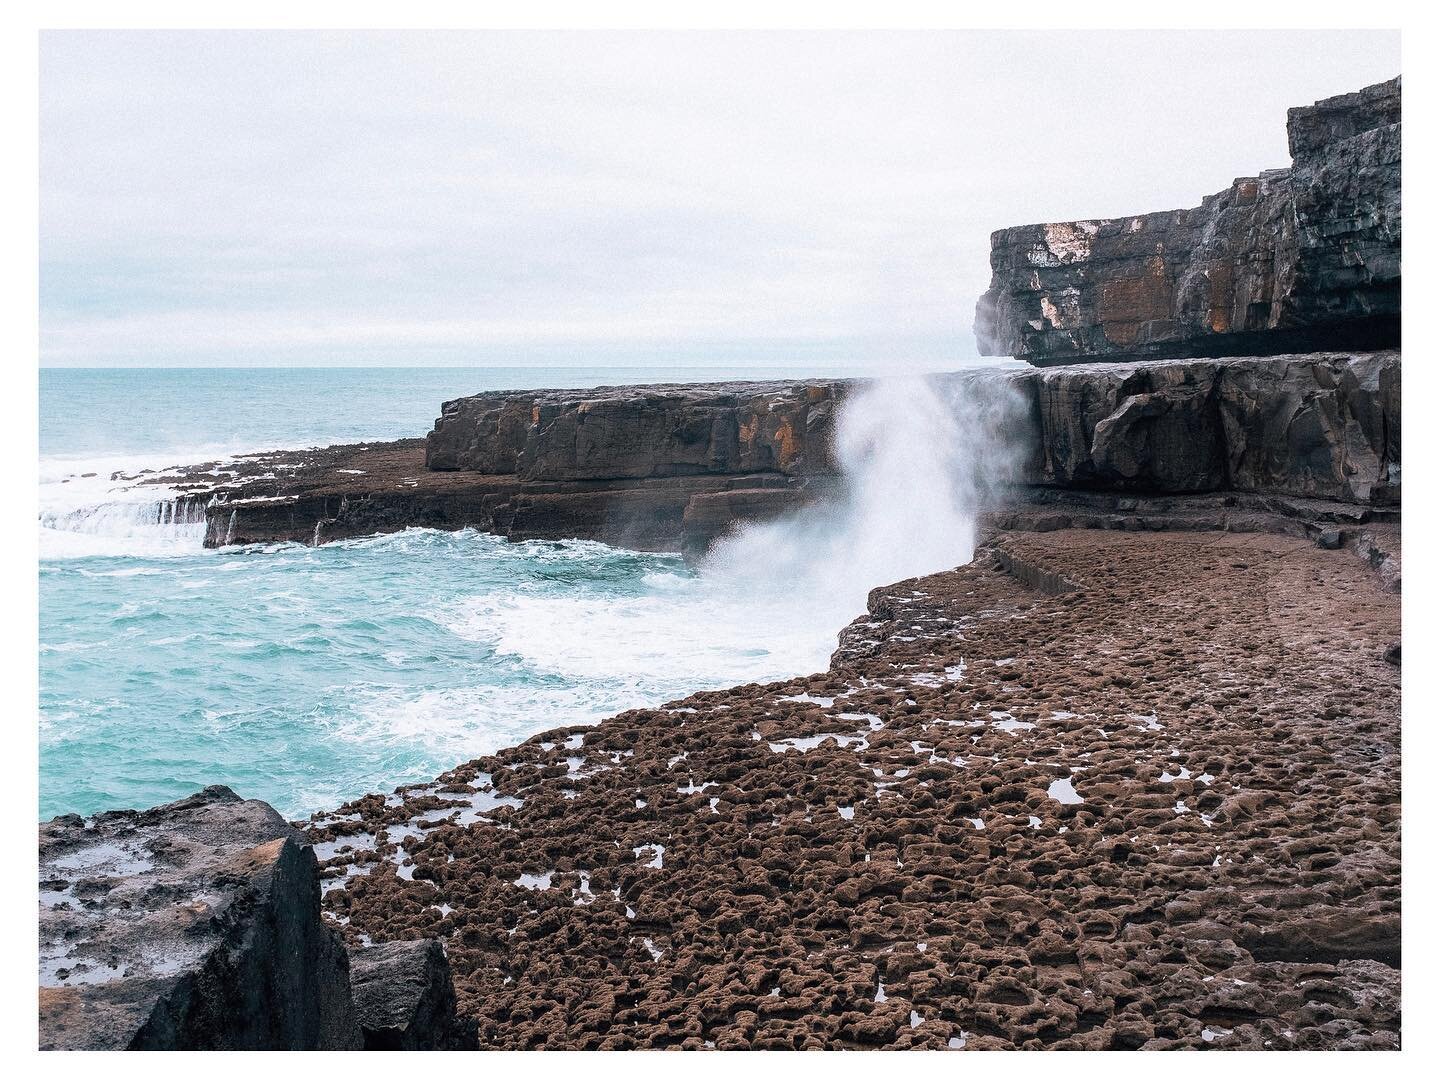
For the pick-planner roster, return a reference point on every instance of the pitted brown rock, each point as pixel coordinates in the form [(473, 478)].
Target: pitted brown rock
[(1158, 810)]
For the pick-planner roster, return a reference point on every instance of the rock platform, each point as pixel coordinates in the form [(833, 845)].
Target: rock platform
[(1309, 438), (1156, 807)]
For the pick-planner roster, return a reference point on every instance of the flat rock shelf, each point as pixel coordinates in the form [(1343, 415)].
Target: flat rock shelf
[(1149, 799)]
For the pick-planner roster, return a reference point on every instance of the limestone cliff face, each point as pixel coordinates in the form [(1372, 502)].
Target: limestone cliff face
[(674, 467), (1293, 260), (1318, 426), (613, 433)]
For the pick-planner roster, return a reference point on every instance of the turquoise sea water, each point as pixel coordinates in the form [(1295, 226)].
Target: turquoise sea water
[(308, 676)]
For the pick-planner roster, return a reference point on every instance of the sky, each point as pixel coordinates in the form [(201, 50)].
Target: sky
[(667, 198)]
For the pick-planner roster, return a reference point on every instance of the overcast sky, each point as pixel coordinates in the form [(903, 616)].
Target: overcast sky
[(518, 198)]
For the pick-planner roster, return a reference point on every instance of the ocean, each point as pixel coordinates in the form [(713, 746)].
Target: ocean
[(308, 676)]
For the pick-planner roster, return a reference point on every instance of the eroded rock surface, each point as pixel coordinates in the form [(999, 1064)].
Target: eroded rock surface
[(1318, 426), (1155, 805), (1293, 260), (190, 926)]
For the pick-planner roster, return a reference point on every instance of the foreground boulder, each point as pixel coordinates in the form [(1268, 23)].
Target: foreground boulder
[(191, 926), (196, 926), (404, 998), (1293, 260)]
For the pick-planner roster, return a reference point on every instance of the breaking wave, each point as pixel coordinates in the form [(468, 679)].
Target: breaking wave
[(306, 676)]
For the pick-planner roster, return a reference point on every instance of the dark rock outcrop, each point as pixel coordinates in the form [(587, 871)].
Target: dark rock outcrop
[(633, 432), (339, 492), (196, 926), (191, 926), (1317, 426), (1294, 260), (1296, 428), (404, 998)]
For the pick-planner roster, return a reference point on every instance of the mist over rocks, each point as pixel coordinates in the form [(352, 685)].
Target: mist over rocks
[(676, 468), (1293, 260)]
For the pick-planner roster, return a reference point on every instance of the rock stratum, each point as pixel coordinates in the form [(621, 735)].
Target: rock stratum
[(1308, 438), (1293, 260)]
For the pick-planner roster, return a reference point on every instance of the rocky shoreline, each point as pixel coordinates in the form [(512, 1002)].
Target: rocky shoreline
[(1128, 779), (1093, 790), (1311, 438)]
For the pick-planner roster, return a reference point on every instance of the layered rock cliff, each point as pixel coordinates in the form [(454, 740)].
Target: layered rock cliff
[(1315, 426), (674, 467), (1293, 260), (634, 432), (1324, 425)]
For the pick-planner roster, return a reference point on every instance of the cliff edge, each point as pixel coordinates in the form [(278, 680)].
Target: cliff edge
[(1293, 260)]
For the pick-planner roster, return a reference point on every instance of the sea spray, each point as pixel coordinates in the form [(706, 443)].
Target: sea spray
[(138, 525), (919, 458), (307, 676)]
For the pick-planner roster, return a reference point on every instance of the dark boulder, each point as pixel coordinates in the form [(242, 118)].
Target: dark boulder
[(404, 998), (190, 926)]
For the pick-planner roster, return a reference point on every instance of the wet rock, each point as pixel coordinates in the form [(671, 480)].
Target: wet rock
[(404, 999), (1317, 426), (1293, 260), (191, 926)]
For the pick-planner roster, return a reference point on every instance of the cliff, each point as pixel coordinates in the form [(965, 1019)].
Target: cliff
[(672, 468), (1315, 426), (632, 432), (1293, 260)]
